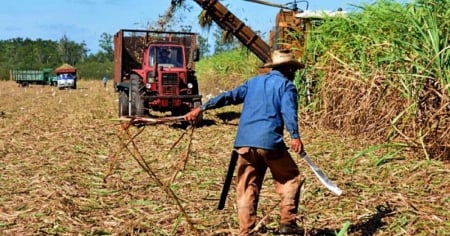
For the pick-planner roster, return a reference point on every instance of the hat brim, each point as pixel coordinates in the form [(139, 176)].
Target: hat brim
[(294, 63)]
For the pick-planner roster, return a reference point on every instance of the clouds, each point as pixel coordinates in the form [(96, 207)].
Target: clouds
[(11, 29)]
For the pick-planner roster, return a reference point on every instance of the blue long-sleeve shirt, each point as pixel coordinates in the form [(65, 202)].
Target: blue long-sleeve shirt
[(270, 103)]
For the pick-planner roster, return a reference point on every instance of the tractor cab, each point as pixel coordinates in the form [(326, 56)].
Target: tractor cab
[(166, 56)]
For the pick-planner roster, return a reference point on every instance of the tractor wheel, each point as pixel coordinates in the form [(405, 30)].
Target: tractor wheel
[(200, 117), (137, 101), (179, 111), (123, 103)]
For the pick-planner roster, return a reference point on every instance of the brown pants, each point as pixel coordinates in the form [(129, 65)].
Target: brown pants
[(251, 168)]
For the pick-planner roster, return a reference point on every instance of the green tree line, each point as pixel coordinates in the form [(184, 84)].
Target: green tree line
[(28, 54)]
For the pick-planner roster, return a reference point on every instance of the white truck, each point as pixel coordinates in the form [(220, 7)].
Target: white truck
[(66, 77)]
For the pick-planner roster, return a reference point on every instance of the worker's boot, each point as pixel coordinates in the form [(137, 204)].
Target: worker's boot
[(290, 229)]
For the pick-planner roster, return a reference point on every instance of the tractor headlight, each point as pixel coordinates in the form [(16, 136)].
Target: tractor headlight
[(150, 77)]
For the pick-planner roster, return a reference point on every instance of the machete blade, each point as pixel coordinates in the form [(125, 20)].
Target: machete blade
[(320, 175)]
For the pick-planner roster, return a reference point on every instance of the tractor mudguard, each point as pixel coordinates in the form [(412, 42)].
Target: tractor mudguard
[(123, 86)]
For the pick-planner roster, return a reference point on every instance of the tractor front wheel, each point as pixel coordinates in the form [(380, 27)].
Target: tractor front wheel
[(123, 103), (137, 101), (200, 117)]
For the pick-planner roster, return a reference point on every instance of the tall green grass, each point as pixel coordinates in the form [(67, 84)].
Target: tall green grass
[(389, 50), (409, 41), (226, 70), (382, 71)]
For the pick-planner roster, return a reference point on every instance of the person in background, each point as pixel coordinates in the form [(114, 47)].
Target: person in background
[(269, 105), (104, 81)]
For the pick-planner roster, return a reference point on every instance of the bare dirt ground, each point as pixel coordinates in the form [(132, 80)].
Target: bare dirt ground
[(59, 175)]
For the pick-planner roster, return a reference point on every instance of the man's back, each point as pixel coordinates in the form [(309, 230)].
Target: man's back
[(270, 100)]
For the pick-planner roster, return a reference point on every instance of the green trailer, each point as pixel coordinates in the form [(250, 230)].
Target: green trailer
[(26, 77)]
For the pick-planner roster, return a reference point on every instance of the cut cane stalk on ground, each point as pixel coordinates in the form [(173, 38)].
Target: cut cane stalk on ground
[(142, 122)]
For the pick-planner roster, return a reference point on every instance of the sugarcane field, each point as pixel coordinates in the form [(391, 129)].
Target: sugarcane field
[(142, 136), (66, 171)]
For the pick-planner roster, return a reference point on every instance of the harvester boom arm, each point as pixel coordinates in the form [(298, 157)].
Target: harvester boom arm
[(229, 22)]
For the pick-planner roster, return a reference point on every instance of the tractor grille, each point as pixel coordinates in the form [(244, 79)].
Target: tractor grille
[(169, 79), (170, 83), (169, 90)]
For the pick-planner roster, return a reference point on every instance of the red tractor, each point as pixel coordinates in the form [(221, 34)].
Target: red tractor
[(155, 71)]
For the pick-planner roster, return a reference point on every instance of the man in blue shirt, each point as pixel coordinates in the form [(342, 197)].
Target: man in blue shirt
[(269, 105)]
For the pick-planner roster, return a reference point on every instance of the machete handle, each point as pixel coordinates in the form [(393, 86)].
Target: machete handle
[(303, 153), (228, 179)]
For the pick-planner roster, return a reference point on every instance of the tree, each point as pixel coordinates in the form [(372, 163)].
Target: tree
[(71, 52), (203, 46), (106, 47), (224, 41), (28, 54)]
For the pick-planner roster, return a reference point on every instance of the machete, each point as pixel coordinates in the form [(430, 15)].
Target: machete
[(320, 175), (228, 178)]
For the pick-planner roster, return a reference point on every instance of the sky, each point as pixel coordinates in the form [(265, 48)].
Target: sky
[(85, 20)]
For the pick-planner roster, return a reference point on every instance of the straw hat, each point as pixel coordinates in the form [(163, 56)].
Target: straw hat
[(283, 57)]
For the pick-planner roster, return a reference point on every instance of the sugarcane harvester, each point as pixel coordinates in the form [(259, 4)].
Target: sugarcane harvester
[(229, 22), (289, 31), (155, 71)]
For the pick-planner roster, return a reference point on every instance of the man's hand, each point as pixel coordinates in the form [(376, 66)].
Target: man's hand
[(193, 114), (296, 145)]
